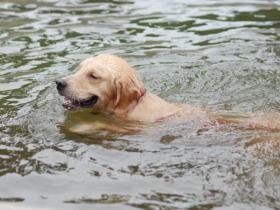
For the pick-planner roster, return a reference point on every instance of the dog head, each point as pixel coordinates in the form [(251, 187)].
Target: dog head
[(105, 83)]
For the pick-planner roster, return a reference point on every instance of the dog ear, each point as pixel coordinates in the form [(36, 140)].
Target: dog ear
[(126, 94)]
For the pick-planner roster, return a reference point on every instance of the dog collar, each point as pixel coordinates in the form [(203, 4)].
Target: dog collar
[(142, 92)]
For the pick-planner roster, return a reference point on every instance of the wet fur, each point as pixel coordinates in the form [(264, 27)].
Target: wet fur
[(121, 93)]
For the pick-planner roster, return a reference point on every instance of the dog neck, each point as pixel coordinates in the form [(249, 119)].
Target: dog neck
[(150, 108)]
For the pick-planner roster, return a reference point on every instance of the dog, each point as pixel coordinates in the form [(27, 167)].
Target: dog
[(108, 84)]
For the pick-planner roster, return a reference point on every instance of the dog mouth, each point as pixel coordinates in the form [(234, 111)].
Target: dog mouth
[(75, 104)]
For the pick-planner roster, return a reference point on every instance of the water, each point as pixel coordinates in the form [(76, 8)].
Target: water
[(222, 55)]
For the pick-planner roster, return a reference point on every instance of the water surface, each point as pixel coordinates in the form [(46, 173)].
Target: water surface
[(222, 55)]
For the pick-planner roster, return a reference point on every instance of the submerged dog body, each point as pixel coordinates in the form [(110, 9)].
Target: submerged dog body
[(107, 84)]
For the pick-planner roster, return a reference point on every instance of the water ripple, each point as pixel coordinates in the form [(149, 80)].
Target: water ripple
[(221, 55)]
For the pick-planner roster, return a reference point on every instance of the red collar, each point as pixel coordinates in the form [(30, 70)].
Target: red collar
[(142, 92)]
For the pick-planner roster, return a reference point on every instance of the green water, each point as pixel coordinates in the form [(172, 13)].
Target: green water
[(222, 55)]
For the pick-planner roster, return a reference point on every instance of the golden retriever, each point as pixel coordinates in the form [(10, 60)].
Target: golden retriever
[(108, 84)]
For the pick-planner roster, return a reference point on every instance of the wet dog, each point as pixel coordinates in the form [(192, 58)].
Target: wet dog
[(108, 84)]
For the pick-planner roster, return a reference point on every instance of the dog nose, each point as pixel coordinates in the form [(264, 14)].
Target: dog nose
[(60, 84)]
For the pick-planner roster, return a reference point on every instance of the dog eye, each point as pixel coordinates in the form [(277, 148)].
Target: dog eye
[(93, 76)]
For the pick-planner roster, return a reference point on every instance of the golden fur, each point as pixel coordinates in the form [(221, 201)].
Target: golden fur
[(121, 93)]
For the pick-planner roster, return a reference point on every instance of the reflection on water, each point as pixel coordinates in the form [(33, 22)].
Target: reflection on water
[(223, 55)]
